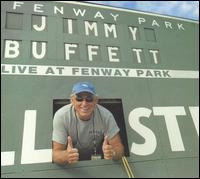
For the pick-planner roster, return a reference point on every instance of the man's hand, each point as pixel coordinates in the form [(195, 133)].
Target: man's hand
[(72, 153), (108, 150)]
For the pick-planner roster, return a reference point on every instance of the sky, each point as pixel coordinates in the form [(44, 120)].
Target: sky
[(183, 9)]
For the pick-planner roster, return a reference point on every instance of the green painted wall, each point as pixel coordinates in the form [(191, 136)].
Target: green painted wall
[(161, 87)]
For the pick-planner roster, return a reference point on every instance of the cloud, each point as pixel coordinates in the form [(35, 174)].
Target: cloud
[(185, 9)]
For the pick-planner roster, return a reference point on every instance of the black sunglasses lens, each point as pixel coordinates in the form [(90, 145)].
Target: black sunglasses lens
[(79, 98), (87, 99)]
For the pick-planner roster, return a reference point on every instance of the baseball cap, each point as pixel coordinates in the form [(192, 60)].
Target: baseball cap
[(83, 87)]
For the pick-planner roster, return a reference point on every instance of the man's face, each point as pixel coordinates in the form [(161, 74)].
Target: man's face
[(84, 104)]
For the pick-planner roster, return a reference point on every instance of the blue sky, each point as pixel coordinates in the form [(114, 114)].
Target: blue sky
[(184, 9)]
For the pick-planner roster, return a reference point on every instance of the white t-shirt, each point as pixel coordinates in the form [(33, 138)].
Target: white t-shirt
[(86, 135)]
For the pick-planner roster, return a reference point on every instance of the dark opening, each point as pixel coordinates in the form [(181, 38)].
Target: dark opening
[(114, 106)]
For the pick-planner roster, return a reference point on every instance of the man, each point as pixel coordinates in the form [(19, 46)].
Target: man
[(84, 130)]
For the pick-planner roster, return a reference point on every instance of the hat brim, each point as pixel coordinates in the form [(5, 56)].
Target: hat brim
[(83, 90)]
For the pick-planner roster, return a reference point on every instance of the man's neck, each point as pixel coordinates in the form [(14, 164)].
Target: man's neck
[(87, 118)]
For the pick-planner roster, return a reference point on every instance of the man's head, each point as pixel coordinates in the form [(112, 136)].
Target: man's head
[(84, 99)]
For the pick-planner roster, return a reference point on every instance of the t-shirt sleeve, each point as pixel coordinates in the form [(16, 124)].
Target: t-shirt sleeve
[(59, 131), (111, 129)]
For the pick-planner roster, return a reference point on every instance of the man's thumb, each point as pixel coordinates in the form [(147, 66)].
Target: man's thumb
[(69, 142), (106, 142)]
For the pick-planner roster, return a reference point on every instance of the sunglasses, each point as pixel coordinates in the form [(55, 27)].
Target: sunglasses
[(89, 98)]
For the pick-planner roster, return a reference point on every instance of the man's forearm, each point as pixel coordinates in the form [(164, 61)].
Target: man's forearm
[(59, 157), (118, 152)]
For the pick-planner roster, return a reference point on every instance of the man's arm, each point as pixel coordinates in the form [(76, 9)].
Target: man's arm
[(113, 148), (61, 155)]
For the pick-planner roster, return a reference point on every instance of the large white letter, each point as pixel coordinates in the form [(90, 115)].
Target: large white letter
[(150, 140), (137, 51), (114, 16), (173, 130), (90, 52), (98, 14), (112, 28), (37, 8), (15, 4), (34, 50), (29, 154), (68, 51), (79, 11), (59, 10), (43, 24), (133, 32), (154, 52), (70, 26), (141, 20), (111, 54), (91, 27), (11, 46)]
